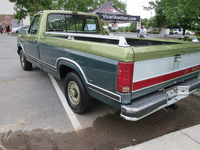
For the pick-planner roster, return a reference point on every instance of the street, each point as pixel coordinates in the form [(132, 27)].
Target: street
[(34, 114)]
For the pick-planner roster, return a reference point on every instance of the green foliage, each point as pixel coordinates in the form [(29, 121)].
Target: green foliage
[(133, 27), (24, 8), (153, 32), (104, 32), (144, 22), (149, 22), (184, 39), (127, 29), (182, 13), (152, 22), (121, 29), (198, 37), (189, 39), (30, 7), (197, 33)]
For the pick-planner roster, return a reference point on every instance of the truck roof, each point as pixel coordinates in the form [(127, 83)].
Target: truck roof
[(66, 12)]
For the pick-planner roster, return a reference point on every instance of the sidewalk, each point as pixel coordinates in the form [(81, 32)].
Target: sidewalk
[(186, 139)]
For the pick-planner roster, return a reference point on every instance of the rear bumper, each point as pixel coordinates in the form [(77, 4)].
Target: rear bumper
[(148, 104)]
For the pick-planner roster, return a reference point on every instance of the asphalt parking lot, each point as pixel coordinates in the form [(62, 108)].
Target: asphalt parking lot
[(34, 115)]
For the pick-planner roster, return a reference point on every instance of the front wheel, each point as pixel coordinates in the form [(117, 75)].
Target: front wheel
[(24, 63), (76, 94)]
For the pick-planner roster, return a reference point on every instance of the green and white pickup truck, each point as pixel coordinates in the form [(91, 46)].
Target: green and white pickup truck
[(137, 76)]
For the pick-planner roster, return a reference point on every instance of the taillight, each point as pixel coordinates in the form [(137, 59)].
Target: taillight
[(125, 76)]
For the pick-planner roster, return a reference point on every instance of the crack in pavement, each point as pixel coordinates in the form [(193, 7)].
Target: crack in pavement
[(189, 137)]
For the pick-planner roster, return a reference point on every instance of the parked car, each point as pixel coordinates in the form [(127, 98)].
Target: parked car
[(15, 30), (1, 29), (189, 32), (180, 31), (24, 28)]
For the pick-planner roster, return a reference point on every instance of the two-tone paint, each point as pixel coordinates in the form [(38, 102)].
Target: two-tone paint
[(155, 74), (97, 63)]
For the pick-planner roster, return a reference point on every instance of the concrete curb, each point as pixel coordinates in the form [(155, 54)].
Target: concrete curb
[(196, 93), (184, 139)]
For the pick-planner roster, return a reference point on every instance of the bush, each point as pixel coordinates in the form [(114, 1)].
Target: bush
[(153, 32), (198, 37), (189, 39), (197, 33), (180, 38), (184, 39)]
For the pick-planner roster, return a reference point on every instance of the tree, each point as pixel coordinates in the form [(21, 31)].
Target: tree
[(24, 8), (152, 22), (87, 5), (182, 13), (133, 27), (144, 22)]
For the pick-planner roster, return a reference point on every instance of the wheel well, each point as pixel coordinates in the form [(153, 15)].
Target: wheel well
[(64, 70), (19, 49)]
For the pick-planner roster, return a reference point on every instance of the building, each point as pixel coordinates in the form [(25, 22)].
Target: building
[(6, 15)]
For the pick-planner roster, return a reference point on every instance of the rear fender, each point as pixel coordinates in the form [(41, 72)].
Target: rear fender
[(72, 65), (20, 47)]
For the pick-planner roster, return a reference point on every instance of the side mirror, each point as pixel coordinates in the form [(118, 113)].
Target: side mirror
[(22, 31)]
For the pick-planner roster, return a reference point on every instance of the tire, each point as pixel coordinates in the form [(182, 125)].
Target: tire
[(76, 94), (24, 63)]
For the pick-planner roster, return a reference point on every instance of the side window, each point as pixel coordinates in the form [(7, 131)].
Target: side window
[(34, 25), (56, 22)]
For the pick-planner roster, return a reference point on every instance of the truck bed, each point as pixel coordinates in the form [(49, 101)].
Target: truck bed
[(130, 41), (147, 42), (135, 42)]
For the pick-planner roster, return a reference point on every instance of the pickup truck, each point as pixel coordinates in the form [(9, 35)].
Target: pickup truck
[(136, 76)]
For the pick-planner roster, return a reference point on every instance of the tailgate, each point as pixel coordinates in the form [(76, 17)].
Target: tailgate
[(170, 65)]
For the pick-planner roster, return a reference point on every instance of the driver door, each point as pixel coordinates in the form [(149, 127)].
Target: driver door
[(31, 40)]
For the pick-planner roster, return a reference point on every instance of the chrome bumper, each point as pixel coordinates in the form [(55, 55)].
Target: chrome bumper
[(148, 104)]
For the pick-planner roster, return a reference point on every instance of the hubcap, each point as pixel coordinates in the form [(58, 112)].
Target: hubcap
[(74, 93)]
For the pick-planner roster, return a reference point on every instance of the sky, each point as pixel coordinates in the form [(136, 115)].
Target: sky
[(135, 8)]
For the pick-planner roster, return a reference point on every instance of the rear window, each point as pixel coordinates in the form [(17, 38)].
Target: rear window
[(72, 23)]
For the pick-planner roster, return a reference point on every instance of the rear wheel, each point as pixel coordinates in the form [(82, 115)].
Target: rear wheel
[(76, 94), (24, 63)]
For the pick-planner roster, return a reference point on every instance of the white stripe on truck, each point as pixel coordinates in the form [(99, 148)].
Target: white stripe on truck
[(157, 67)]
